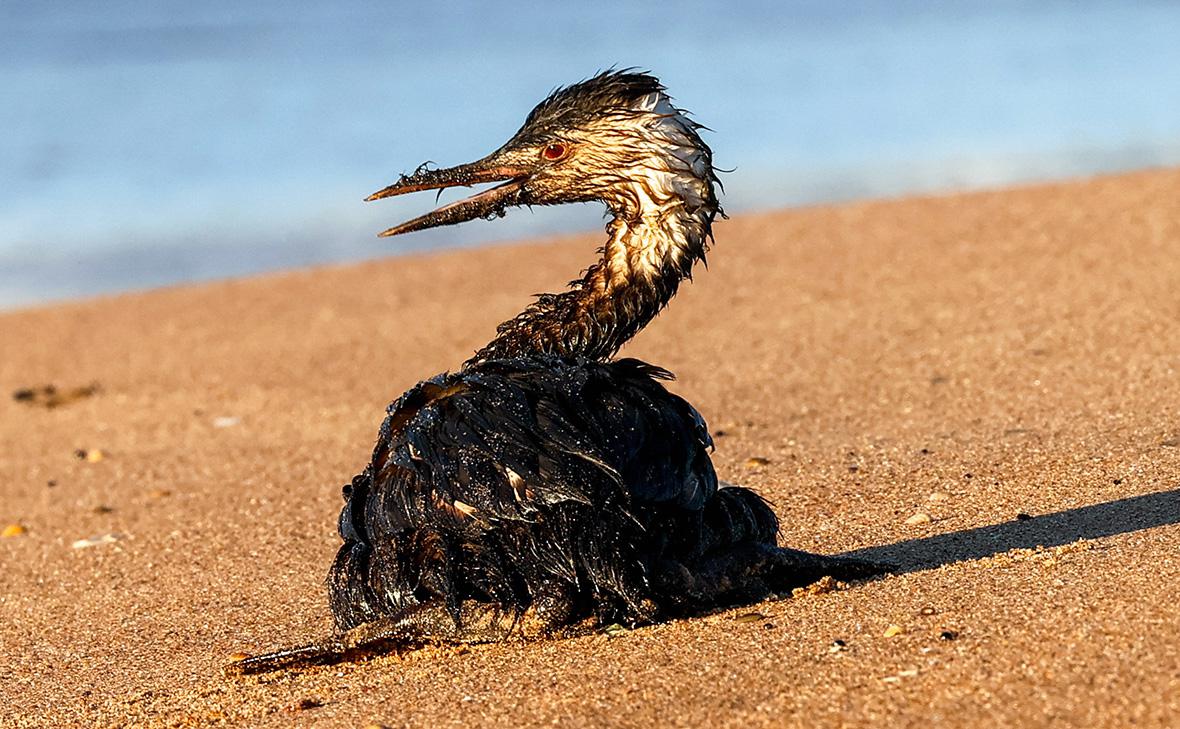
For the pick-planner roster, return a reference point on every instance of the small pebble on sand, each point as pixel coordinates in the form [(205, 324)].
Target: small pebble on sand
[(919, 518), (749, 618), (305, 703), (893, 631), (13, 530), (90, 455), (757, 462)]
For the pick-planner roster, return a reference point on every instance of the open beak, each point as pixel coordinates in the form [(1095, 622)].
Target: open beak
[(492, 202)]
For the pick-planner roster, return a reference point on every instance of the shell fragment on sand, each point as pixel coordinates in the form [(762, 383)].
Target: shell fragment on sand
[(97, 540)]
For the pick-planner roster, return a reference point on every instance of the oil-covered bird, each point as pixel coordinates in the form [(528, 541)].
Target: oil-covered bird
[(545, 486)]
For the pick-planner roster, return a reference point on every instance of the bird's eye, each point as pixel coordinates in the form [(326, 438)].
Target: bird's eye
[(555, 151)]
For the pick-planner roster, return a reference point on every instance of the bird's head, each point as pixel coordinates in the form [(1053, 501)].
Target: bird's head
[(616, 138)]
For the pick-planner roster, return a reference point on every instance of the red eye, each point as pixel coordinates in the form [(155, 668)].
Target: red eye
[(555, 151)]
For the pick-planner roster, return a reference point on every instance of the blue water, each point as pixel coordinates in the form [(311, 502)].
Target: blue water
[(147, 143)]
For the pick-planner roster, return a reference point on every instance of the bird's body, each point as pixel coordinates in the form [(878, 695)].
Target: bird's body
[(544, 485), (571, 484)]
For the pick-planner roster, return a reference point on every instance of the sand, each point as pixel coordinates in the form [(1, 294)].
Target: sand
[(982, 388)]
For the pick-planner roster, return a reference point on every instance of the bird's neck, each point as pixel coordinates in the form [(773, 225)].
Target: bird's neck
[(652, 246)]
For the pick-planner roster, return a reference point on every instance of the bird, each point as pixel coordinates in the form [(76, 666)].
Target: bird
[(547, 488)]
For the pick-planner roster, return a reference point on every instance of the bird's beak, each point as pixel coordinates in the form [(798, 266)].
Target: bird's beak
[(491, 202)]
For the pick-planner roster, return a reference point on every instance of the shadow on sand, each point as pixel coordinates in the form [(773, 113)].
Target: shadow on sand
[(1131, 514)]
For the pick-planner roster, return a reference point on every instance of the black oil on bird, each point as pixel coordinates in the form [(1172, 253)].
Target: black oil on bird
[(545, 486)]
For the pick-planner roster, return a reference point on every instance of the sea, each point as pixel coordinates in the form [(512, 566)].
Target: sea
[(146, 144)]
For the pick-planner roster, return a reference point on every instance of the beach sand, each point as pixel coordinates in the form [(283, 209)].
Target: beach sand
[(982, 388)]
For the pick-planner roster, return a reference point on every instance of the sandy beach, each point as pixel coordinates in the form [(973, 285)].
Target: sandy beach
[(983, 388)]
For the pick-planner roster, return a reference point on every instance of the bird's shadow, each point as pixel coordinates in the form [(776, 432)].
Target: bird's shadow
[(1132, 514)]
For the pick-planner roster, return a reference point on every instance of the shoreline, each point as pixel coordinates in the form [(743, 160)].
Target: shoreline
[(410, 249)]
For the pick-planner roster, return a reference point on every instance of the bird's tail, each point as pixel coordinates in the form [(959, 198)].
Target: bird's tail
[(736, 514)]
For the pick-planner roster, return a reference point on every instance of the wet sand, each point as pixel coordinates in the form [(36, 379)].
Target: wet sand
[(982, 388)]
